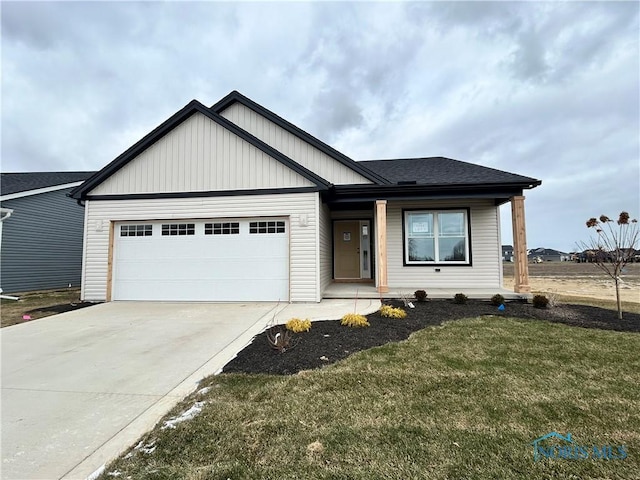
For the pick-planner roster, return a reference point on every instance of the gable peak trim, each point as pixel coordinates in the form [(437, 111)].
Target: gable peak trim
[(194, 106)]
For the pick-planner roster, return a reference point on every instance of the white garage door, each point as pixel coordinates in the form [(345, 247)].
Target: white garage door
[(203, 260)]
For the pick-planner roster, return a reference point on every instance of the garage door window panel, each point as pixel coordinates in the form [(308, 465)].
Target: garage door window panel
[(267, 227), (225, 228), (173, 229), (136, 230)]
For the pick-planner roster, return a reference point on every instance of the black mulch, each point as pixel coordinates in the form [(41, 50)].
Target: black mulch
[(64, 307), (334, 342)]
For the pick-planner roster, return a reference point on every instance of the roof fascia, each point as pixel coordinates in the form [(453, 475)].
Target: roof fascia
[(358, 193), (36, 191), (498, 189), (172, 122), (214, 193), (136, 149), (236, 96)]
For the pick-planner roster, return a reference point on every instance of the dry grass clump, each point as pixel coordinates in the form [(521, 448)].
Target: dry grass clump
[(354, 320), (297, 325), (392, 312)]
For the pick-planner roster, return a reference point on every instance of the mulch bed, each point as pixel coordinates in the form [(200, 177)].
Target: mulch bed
[(64, 307), (333, 342)]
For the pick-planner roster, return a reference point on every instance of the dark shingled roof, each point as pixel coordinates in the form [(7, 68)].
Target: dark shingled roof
[(442, 171), (23, 182)]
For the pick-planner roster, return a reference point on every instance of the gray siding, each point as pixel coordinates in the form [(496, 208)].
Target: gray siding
[(41, 243)]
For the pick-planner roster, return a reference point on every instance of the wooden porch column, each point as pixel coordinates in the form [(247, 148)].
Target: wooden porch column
[(521, 262), (381, 250)]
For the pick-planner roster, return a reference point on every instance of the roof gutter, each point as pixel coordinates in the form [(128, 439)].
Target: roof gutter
[(401, 191)]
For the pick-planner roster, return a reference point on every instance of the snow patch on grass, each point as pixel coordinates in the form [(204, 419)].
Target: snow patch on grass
[(97, 473), (184, 416)]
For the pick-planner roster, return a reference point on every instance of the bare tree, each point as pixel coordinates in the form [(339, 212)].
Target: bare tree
[(613, 247)]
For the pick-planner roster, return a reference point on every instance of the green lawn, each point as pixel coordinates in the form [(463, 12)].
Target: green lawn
[(464, 400)]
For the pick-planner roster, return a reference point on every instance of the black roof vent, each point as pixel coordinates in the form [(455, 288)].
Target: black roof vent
[(407, 182)]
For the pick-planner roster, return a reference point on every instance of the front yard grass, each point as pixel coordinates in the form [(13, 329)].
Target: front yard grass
[(627, 307), (462, 400)]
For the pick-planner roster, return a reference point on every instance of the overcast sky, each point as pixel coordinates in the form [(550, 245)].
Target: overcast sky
[(547, 90)]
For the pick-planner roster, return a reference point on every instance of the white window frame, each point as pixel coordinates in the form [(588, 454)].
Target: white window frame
[(436, 230)]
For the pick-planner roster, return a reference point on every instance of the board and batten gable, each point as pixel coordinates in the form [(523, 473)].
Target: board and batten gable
[(293, 147), (42, 242), (299, 208), (485, 249), (200, 155)]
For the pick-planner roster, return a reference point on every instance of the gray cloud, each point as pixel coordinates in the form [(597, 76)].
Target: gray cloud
[(545, 89)]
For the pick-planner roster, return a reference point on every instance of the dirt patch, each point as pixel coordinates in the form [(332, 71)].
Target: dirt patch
[(578, 279), (53, 309), (328, 341), (40, 304)]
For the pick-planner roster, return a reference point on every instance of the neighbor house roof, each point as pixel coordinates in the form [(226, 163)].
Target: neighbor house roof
[(13, 183), (442, 171), (545, 251)]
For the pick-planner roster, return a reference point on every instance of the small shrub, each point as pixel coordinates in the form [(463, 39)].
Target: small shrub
[(392, 312), (297, 325), (460, 298), (540, 301), (497, 300), (420, 295), (279, 338), (354, 320)]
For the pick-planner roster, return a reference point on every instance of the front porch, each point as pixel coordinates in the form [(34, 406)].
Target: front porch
[(368, 290)]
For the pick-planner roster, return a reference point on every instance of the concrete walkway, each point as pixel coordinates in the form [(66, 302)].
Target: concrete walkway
[(80, 387)]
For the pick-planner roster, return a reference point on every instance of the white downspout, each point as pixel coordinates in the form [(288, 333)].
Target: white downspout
[(4, 214)]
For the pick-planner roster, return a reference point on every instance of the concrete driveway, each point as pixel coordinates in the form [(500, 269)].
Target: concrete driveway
[(80, 387)]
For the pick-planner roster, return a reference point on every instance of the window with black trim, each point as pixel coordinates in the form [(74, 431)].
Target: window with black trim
[(136, 230), (436, 236), (225, 228), (178, 229), (267, 227)]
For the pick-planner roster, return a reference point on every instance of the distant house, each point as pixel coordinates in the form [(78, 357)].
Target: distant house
[(548, 255), (591, 256), (507, 253), (41, 231)]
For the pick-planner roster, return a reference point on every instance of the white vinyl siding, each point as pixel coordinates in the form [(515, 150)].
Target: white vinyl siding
[(326, 249), (303, 259), (200, 156), (484, 250), (293, 147)]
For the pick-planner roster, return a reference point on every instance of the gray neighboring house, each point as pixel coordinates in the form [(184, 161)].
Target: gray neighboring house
[(41, 231), (548, 255)]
